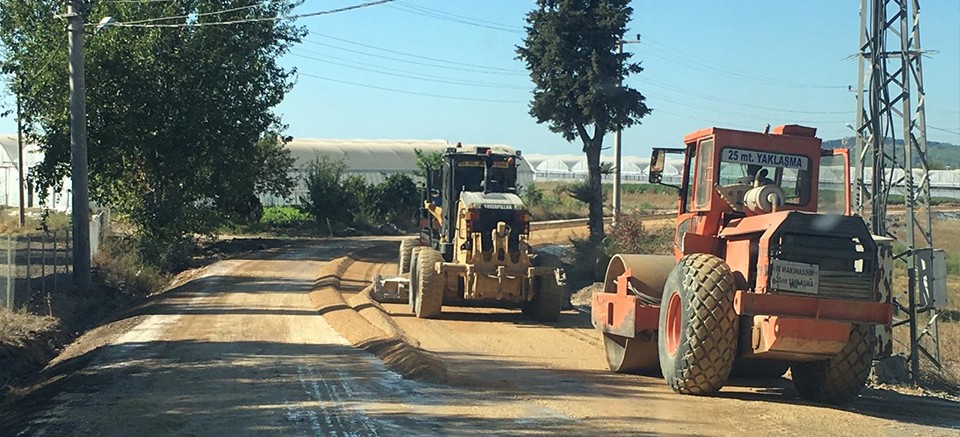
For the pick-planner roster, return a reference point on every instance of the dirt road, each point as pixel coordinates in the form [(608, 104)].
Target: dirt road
[(241, 350), (499, 354)]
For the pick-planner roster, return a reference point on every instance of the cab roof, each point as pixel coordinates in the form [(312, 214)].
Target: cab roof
[(793, 130)]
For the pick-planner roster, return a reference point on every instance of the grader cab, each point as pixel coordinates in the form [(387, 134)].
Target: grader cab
[(475, 246), (761, 279)]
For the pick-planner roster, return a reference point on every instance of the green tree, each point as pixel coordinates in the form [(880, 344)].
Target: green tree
[(327, 197), (571, 52), (425, 160), (397, 199), (182, 132)]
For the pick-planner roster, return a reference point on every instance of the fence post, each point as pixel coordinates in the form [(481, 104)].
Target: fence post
[(68, 253), (55, 261), (43, 262), (10, 276), (29, 256)]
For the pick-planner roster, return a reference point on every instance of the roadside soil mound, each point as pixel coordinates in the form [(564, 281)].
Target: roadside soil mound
[(381, 337)]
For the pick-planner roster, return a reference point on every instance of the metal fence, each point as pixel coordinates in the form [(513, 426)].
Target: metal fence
[(32, 265), (37, 263)]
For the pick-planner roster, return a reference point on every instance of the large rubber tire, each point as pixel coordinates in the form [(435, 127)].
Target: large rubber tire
[(697, 341), (429, 289), (838, 380), (412, 287), (403, 260), (632, 355), (548, 295)]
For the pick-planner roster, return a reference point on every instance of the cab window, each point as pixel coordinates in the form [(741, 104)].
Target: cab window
[(704, 186), (747, 167)]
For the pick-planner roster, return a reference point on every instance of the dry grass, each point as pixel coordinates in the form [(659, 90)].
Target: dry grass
[(17, 328), (9, 221), (945, 379), (635, 198), (946, 234)]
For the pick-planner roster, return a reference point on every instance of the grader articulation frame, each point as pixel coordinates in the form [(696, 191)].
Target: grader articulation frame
[(759, 281)]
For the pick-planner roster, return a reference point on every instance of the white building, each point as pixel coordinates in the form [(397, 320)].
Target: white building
[(10, 178)]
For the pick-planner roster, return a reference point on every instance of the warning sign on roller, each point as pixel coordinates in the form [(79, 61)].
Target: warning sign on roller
[(794, 276)]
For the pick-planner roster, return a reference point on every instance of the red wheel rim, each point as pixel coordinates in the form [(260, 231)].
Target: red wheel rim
[(673, 324)]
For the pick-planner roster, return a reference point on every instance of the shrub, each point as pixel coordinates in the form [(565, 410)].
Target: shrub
[(121, 266), (284, 216), (580, 191), (590, 261), (630, 235), (397, 199), (326, 197), (533, 195)]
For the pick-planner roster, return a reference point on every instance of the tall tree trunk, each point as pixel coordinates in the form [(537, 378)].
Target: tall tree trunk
[(595, 217)]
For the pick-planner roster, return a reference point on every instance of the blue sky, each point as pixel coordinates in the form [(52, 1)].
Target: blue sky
[(445, 69), (734, 64)]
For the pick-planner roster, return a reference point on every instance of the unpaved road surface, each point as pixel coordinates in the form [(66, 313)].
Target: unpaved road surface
[(240, 350), (499, 354)]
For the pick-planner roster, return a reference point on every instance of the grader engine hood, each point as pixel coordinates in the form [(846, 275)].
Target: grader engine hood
[(483, 211), (493, 201)]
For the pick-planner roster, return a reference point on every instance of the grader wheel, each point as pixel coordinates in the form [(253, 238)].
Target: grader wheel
[(406, 247), (698, 325), (412, 268), (548, 295), (429, 288), (840, 379)]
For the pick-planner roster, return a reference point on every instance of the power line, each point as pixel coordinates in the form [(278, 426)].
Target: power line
[(407, 74), (943, 130), (408, 4), (518, 72), (201, 14), (444, 16), (727, 112), (745, 105), (256, 20), (737, 73), (415, 93), (445, 67)]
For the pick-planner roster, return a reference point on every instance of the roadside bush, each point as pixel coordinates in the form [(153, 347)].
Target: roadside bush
[(397, 200), (121, 267), (590, 258), (348, 200), (284, 217), (590, 261), (326, 197), (533, 194), (581, 191), (630, 235)]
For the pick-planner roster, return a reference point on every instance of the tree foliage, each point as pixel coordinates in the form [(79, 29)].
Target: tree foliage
[(326, 198), (425, 160), (181, 128), (570, 51), (337, 199)]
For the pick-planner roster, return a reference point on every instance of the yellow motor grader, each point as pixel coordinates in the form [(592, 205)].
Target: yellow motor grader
[(474, 246)]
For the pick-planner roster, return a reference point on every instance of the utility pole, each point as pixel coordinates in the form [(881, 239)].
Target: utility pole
[(617, 151), (78, 150), (23, 215)]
